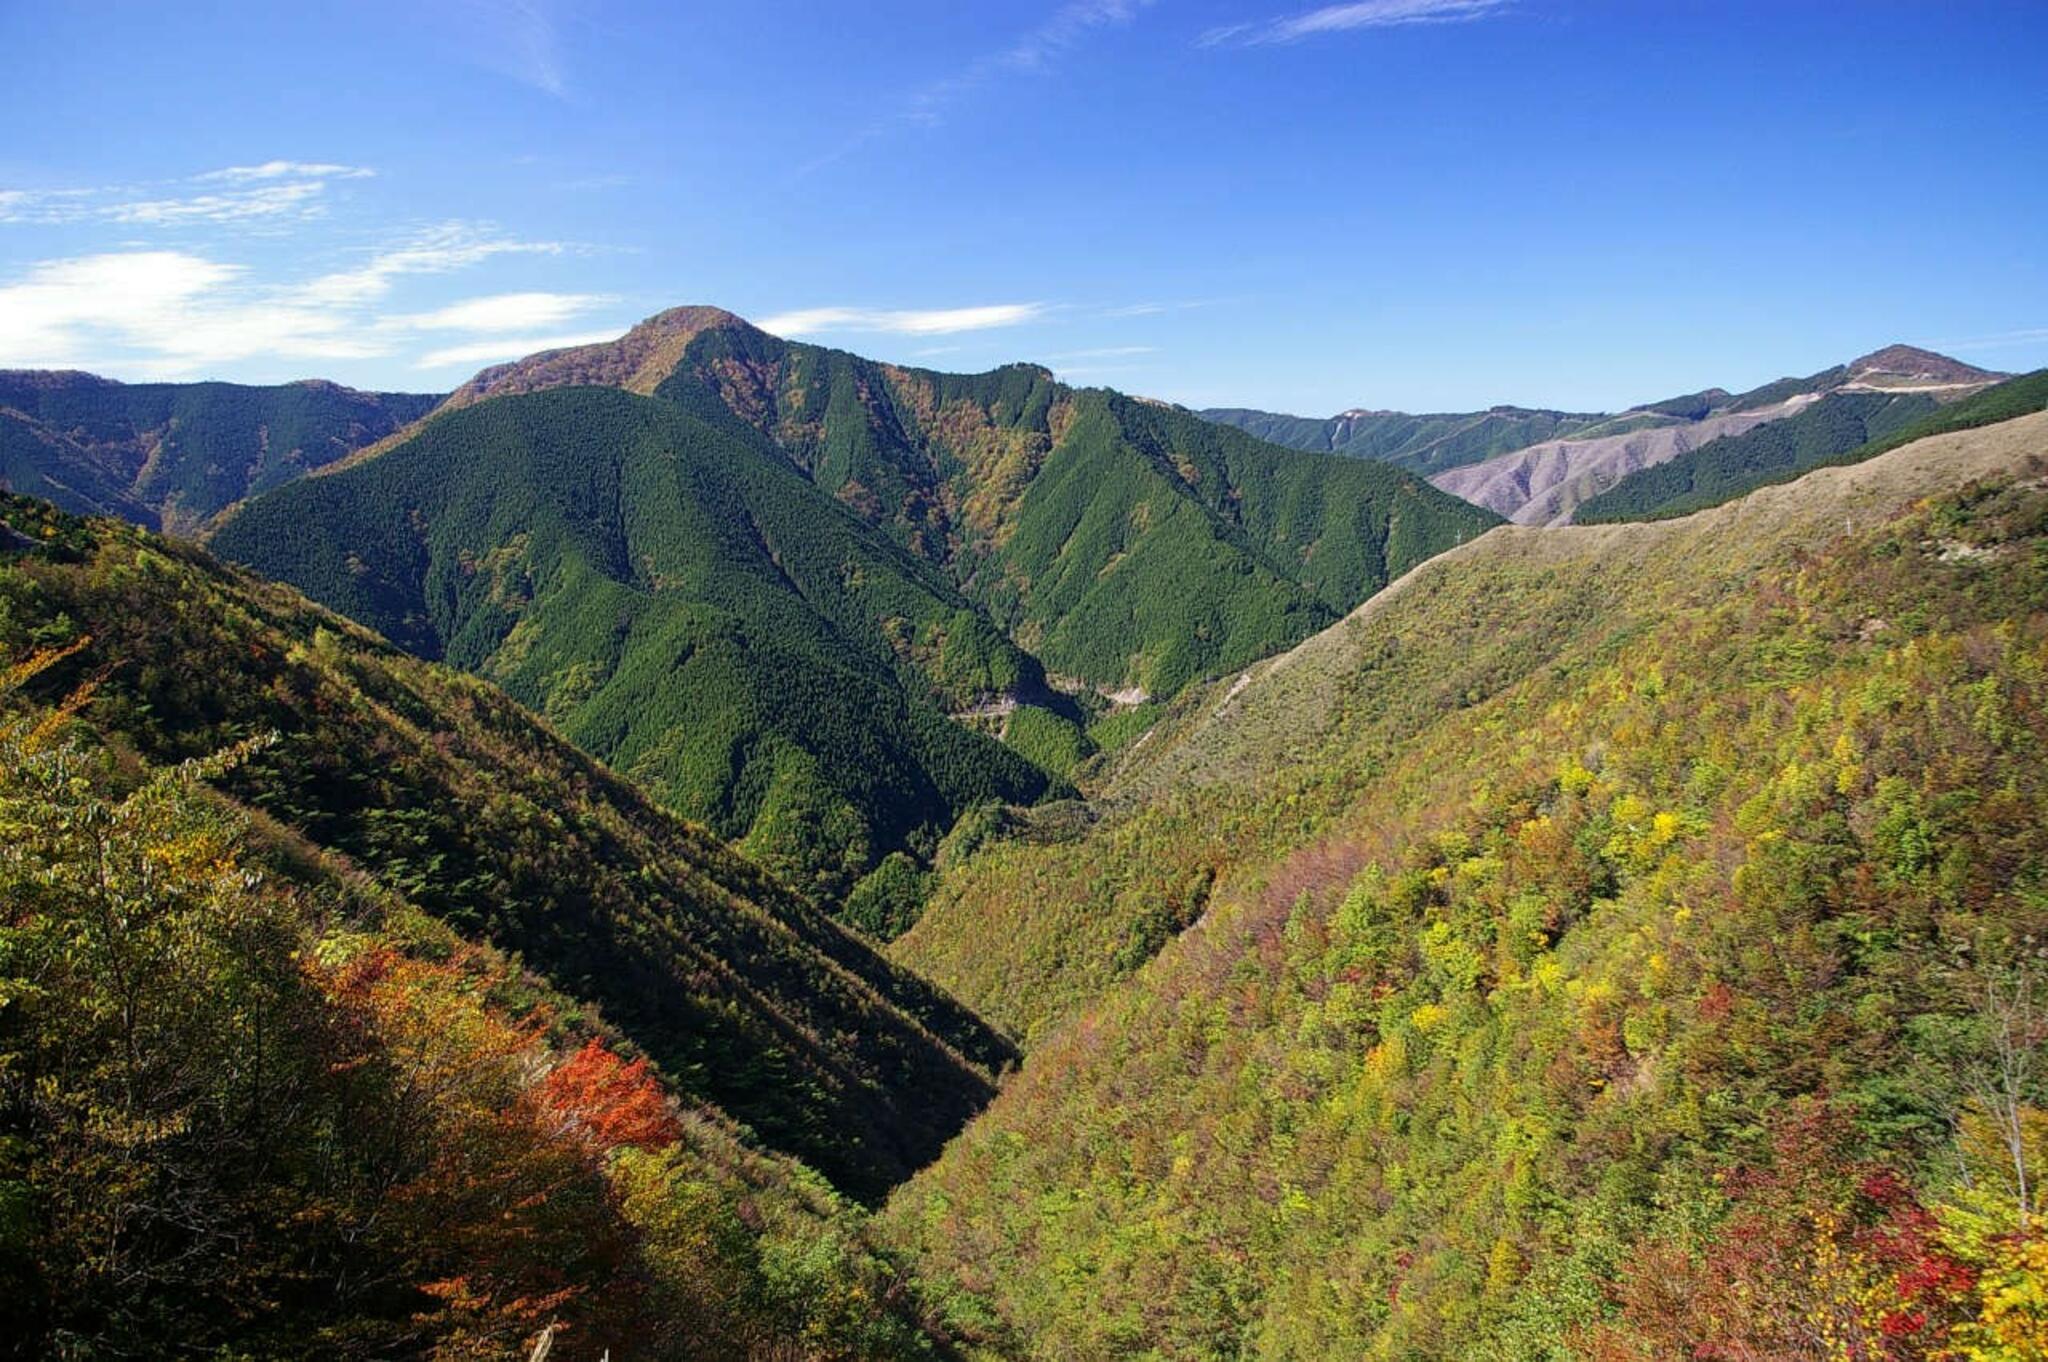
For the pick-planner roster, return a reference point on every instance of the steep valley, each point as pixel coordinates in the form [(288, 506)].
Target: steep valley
[(1526, 951)]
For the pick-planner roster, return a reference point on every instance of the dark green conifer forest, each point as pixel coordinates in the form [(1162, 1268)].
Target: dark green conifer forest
[(762, 590)]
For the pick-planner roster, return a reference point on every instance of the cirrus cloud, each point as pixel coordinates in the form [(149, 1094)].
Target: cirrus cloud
[(438, 250), (278, 170), (1032, 52), (268, 192), (1342, 18), (165, 314), (901, 321), (502, 312)]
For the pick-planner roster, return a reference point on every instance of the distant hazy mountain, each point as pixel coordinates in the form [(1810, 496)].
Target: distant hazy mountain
[(1545, 483), (1422, 444), (1845, 426), (1542, 483), (1908, 368), (1537, 467), (172, 455)]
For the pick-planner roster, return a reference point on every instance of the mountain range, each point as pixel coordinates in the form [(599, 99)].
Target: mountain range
[(708, 846), (766, 578), (173, 455), (1538, 468), (829, 606)]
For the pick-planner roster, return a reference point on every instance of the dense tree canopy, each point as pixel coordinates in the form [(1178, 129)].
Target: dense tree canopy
[(1672, 987), (450, 794), (763, 589), (174, 455)]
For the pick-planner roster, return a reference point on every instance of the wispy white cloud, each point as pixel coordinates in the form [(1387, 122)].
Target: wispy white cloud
[(501, 312), (1098, 371), (588, 184), (280, 170), (1156, 309), (171, 310), (44, 206), (909, 322), (268, 201), (274, 191), (177, 314), (1068, 25), (519, 39), (449, 246), (1031, 52), (1102, 352), (507, 347), (42, 313), (1343, 18), (180, 310)]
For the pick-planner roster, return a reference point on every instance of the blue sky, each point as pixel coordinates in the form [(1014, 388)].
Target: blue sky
[(1423, 204)]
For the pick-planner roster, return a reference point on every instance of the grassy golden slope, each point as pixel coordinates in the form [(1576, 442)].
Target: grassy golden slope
[(1263, 760), (1615, 995)]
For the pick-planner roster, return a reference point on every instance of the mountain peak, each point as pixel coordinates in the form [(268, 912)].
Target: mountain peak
[(1911, 362), (637, 361), (691, 318)]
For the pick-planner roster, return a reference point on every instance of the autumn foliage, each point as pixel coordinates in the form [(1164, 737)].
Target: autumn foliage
[(251, 1106), (1632, 953), (608, 1101), (1823, 1255)]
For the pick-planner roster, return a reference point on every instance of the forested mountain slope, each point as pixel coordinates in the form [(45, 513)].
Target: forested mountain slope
[(1077, 518), (1636, 991), (442, 790), (253, 1103), (877, 547), (172, 455), (680, 603)]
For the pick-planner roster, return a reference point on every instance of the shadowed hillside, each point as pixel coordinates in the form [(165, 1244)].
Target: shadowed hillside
[(443, 790)]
